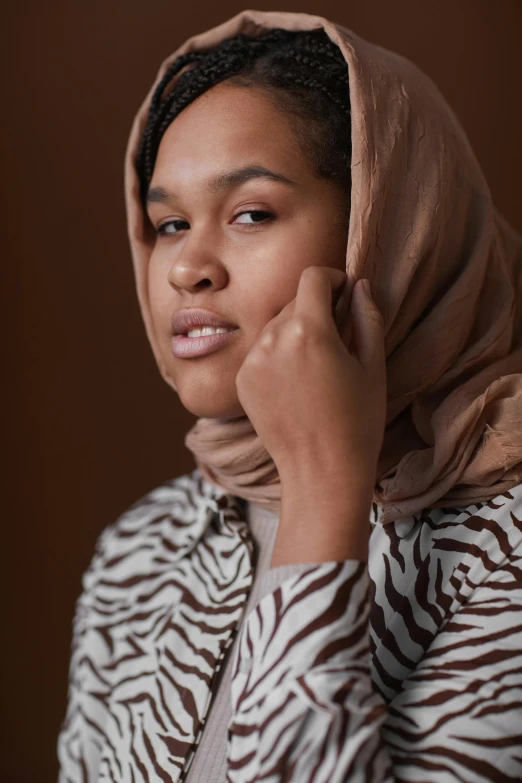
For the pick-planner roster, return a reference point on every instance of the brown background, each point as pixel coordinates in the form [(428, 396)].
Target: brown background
[(89, 424)]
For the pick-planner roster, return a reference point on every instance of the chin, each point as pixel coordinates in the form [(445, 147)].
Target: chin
[(212, 408)]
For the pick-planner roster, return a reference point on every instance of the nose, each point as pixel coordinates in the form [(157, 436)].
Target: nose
[(197, 267)]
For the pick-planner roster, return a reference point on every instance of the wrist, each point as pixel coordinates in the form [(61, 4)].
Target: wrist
[(336, 491), (321, 522), (336, 475)]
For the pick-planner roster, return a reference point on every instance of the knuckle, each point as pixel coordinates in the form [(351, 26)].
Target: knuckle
[(300, 327), (253, 359), (267, 339)]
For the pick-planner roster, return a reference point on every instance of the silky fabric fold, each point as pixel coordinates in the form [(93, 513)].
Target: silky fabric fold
[(445, 272)]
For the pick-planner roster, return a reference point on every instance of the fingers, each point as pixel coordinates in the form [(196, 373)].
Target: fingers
[(342, 315), (318, 288), (283, 315), (356, 317), (367, 328)]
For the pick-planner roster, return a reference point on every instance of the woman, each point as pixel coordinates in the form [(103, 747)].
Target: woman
[(334, 592)]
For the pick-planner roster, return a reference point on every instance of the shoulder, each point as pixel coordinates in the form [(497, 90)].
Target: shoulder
[(166, 521), (449, 534), (442, 556), (431, 570), (488, 532), (459, 550)]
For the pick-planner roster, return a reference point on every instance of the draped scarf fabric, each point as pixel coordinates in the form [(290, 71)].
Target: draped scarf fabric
[(445, 271)]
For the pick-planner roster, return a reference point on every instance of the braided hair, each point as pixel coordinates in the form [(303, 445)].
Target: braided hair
[(303, 72)]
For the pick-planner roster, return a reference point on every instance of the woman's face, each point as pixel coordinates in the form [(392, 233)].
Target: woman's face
[(237, 248)]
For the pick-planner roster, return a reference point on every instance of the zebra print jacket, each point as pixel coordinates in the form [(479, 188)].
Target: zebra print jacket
[(405, 669)]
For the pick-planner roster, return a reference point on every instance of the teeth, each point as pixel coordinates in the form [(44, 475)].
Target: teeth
[(207, 330)]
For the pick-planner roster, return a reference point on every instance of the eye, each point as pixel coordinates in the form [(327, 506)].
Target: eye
[(171, 227), (264, 216), (163, 228)]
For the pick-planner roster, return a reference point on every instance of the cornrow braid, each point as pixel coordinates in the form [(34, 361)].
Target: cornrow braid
[(303, 72)]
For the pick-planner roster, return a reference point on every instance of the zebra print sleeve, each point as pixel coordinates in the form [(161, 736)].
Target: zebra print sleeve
[(458, 716), (303, 706)]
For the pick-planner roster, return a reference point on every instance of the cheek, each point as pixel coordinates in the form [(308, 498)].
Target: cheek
[(274, 276), (158, 288), (324, 242), (307, 244), (312, 242), (317, 239)]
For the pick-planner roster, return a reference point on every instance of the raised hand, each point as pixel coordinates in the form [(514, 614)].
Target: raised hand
[(315, 392)]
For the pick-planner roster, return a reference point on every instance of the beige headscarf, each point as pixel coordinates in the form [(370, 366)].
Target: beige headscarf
[(445, 272)]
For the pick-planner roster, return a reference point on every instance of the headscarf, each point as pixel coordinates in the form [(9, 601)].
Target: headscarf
[(445, 272)]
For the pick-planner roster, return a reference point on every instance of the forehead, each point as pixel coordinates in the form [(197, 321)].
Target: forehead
[(230, 124)]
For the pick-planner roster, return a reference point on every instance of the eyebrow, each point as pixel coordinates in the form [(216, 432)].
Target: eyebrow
[(225, 181)]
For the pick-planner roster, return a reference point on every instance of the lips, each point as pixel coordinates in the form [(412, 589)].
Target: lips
[(185, 320), (189, 347)]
